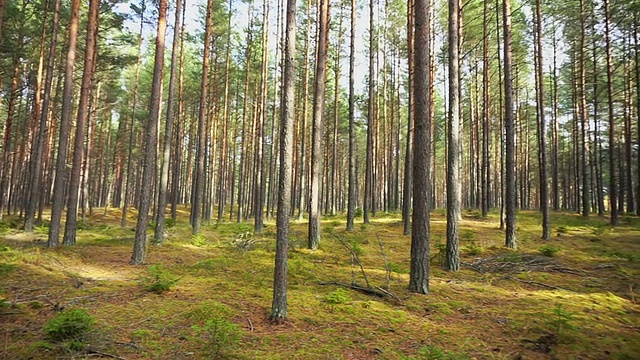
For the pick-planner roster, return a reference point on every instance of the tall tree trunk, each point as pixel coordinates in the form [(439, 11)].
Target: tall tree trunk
[(351, 201), (59, 189), (37, 159), (584, 121), (129, 179), (150, 142), (261, 142), (637, 79), (420, 237), (158, 236), (7, 144), (613, 178), (318, 126), (486, 115), (198, 192), (452, 262), (279, 304), (369, 168), (408, 161), (554, 131), (542, 128), (510, 197), (71, 223)]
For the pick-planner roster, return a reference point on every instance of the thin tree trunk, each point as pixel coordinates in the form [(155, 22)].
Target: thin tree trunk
[(542, 129), (408, 164), (37, 159), (369, 166), (158, 236), (65, 129), (318, 126), (486, 116), (128, 179), (151, 139), (510, 197), (198, 192), (613, 178), (452, 262), (71, 223), (353, 186)]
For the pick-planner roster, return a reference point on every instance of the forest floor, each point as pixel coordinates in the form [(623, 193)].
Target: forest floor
[(571, 297)]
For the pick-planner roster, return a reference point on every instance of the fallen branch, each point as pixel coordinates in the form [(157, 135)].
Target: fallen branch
[(91, 352), (386, 264), (357, 259), (364, 289)]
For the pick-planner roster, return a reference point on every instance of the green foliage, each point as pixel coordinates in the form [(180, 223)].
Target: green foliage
[(221, 337), (473, 249), (397, 268), (337, 297), (5, 269), (440, 253), (549, 250), (159, 279), (562, 230), (358, 213), (169, 222), (69, 325), (198, 240), (244, 241), (561, 320)]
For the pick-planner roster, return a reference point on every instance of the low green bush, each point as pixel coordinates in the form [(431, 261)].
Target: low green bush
[(73, 324), (159, 280)]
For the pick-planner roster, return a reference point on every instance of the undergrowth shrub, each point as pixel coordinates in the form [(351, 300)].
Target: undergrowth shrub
[(70, 325), (244, 241), (549, 250), (473, 249), (337, 297), (561, 322), (198, 240), (159, 279), (221, 337), (562, 230)]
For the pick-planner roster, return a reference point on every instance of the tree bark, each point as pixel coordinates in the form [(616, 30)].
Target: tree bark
[(420, 236), (279, 304), (613, 178), (452, 260), (510, 195), (65, 128), (71, 223), (351, 201), (408, 161), (198, 192), (150, 142), (158, 236), (318, 126), (542, 128)]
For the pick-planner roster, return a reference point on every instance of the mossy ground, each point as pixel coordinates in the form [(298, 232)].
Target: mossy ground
[(507, 313)]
